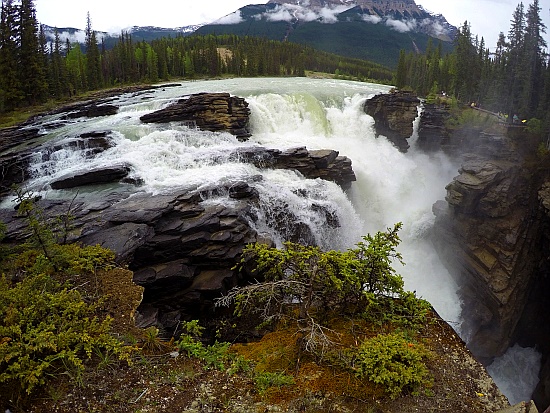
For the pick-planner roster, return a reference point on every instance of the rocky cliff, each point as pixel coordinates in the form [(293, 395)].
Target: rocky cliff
[(492, 231), (394, 114)]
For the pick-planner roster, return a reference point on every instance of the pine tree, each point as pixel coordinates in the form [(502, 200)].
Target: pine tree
[(515, 77), (401, 76), (10, 87), (535, 57), (30, 65), (93, 59), (467, 68)]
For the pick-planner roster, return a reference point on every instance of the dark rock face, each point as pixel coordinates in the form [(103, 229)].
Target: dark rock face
[(207, 111), (394, 114), (93, 111), (432, 132), (490, 232), (325, 164)]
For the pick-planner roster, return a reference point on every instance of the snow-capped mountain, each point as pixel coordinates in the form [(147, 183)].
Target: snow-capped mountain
[(401, 15), (138, 33)]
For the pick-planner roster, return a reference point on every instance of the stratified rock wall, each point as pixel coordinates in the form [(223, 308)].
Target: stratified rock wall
[(488, 230), (209, 111)]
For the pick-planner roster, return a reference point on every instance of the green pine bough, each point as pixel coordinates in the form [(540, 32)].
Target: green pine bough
[(305, 286)]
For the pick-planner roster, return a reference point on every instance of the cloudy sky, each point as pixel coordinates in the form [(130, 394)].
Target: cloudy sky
[(487, 17)]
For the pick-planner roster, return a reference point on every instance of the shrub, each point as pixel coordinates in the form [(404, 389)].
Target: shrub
[(264, 380), (48, 329), (392, 361)]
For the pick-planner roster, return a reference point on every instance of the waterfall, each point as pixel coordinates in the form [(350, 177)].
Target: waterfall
[(391, 186)]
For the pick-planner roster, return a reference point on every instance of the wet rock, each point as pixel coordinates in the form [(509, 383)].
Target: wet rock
[(92, 110), (489, 232), (325, 164), (207, 111), (100, 175), (394, 114)]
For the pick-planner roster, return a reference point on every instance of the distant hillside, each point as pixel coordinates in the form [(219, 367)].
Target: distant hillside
[(360, 31)]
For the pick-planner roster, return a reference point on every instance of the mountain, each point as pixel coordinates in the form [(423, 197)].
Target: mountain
[(138, 33), (374, 30)]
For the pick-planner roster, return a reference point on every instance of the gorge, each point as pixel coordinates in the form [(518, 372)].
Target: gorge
[(180, 202)]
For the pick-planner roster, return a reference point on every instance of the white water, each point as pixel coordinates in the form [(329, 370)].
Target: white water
[(516, 373), (391, 186)]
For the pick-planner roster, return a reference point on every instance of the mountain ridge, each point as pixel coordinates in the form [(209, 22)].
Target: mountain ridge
[(375, 30)]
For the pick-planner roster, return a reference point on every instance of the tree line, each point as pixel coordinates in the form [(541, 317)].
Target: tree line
[(34, 70), (513, 80)]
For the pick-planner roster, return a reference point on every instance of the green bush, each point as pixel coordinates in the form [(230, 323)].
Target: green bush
[(393, 362), (47, 329), (70, 259), (215, 355), (264, 380)]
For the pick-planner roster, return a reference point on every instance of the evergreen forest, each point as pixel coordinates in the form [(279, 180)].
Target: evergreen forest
[(33, 70), (514, 79)]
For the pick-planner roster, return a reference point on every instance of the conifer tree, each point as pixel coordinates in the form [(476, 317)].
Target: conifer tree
[(30, 65), (10, 86), (93, 58), (534, 60)]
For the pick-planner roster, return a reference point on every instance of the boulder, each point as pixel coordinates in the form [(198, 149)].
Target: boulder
[(325, 163), (100, 175), (394, 114), (92, 110), (207, 111)]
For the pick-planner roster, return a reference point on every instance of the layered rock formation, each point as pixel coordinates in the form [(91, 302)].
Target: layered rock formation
[(492, 232), (394, 115), (207, 111)]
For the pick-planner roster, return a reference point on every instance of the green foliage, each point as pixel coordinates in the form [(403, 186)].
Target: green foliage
[(265, 380), (408, 311), (70, 259), (536, 127), (305, 285), (393, 362), (215, 355), (470, 118), (318, 280), (48, 329)]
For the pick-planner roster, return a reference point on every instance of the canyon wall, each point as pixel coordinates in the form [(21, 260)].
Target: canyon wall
[(492, 230)]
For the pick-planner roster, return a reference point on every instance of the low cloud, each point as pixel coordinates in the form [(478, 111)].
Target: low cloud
[(233, 18), (292, 12), (434, 27), (76, 37), (372, 18), (402, 26)]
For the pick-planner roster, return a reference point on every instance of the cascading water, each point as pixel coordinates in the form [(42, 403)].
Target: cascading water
[(391, 186)]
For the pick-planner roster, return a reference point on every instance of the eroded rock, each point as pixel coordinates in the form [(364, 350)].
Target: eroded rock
[(394, 114), (207, 111)]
